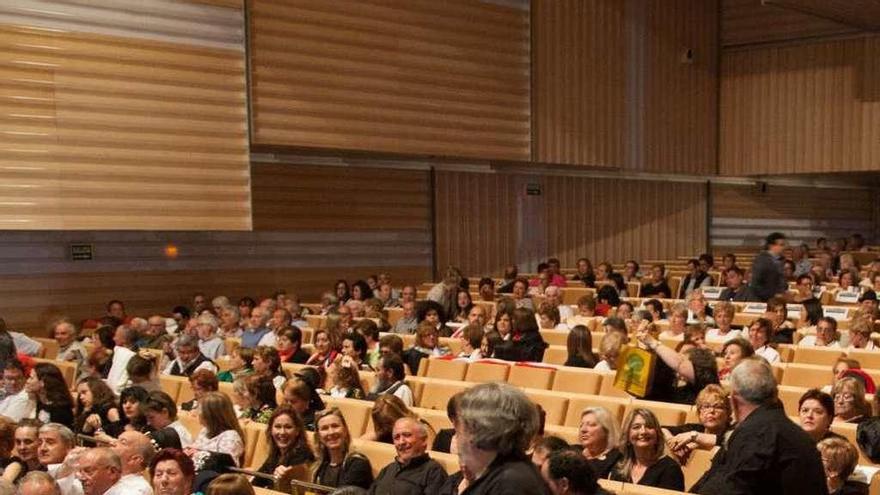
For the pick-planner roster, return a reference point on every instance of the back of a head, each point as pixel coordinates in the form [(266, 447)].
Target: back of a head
[(571, 465), (230, 484), (38, 483), (753, 381)]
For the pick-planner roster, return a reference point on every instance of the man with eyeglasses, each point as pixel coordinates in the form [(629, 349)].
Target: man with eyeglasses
[(826, 335), (16, 403), (98, 470), (767, 279)]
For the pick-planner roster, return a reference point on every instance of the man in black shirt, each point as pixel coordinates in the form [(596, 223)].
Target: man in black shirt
[(736, 290), (767, 280), (766, 453), (412, 472)]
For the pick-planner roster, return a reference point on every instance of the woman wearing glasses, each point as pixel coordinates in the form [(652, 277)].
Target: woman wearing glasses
[(850, 405), (713, 407)]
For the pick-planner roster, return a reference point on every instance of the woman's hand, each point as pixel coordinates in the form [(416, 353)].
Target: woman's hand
[(682, 441), (282, 471), (644, 336), (93, 421), (106, 439)]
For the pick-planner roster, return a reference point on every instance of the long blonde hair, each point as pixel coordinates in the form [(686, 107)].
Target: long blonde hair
[(625, 465)]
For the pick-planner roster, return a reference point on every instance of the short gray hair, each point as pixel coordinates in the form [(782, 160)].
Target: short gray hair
[(753, 380), (106, 456), (420, 426), (499, 417), (40, 478), (186, 340), (208, 319), (607, 422), (64, 432)]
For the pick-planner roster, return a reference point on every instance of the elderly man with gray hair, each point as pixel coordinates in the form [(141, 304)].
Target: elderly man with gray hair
[(553, 296), (99, 471), (766, 453), (494, 425), (412, 472), (38, 483), (188, 358)]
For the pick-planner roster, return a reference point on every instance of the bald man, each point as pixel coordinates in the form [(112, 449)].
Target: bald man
[(135, 452), (99, 470)]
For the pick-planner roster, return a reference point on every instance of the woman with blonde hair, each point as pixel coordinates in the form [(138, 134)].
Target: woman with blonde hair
[(644, 461), (221, 433), (599, 436), (850, 405), (716, 420), (839, 458), (338, 464), (609, 350)]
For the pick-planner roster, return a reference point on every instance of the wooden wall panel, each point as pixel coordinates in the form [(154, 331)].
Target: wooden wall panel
[(681, 95), (476, 221), (485, 222), (402, 76), (612, 87), (615, 220), (139, 129), (580, 54), (745, 22), (798, 109), (38, 281), (743, 215), (293, 197)]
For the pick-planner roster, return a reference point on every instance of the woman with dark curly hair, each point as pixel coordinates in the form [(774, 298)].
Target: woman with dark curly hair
[(47, 388)]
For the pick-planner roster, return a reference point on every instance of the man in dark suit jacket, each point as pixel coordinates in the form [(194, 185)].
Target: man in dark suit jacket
[(767, 279)]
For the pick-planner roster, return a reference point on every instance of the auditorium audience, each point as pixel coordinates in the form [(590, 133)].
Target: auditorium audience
[(656, 286), (585, 272), (599, 436), (386, 410), (678, 315), (723, 331), (782, 330), (609, 351), (860, 331), (520, 294), (766, 278), (471, 339), (695, 367), (566, 473), (337, 463), (160, 412), (69, 347), (289, 450), (344, 379), (526, 342), (267, 363), (26, 442), (260, 395), (135, 453), (643, 461), (256, 328), (699, 312), (695, 279)]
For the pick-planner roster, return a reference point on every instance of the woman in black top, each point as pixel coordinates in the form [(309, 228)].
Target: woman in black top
[(580, 348), (599, 436), (696, 367), (657, 286), (716, 417), (46, 386), (526, 343), (643, 461), (131, 402), (288, 447), (96, 406), (337, 464)]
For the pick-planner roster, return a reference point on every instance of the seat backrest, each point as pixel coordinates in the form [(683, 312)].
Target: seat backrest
[(633, 489), (445, 369), (554, 404), (555, 354), (807, 375), (608, 389), (868, 359), (817, 355), (789, 396), (487, 372), (698, 464), (316, 321), (50, 347), (555, 337), (68, 370), (531, 376), (667, 413), (568, 433), (436, 418), (577, 403), (449, 461), (379, 454), (577, 380), (256, 445), (171, 386), (356, 412), (436, 393)]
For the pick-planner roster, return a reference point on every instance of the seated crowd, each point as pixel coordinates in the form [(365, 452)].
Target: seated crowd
[(117, 424)]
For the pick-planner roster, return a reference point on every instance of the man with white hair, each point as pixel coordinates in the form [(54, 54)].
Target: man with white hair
[(69, 347), (99, 471), (210, 344), (553, 296), (255, 328), (38, 483), (412, 472), (155, 336), (766, 453), (135, 452)]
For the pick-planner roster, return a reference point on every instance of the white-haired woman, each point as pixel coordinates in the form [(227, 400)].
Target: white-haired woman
[(494, 426), (599, 436)]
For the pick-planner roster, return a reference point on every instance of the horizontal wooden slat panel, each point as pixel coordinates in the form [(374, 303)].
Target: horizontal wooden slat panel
[(84, 118), (297, 196), (744, 215), (415, 77), (800, 109), (746, 22)]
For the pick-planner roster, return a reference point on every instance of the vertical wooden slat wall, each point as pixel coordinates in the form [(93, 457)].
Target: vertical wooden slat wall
[(801, 109), (115, 116), (405, 76), (613, 86), (579, 113), (745, 22), (476, 226), (479, 219), (743, 215), (681, 93), (618, 219)]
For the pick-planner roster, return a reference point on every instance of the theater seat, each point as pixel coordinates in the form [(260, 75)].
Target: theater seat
[(531, 376), (817, 355), (568, 433), (577, 380), (356, 412), (789, 396), (436, 393), (667, 414), (487, 372), (577, 404), (699, 463), (445, 369), (379, 454), (807, 375), (256, 445), (609, 390), (555, 404), (555, 354), (867, 359)]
